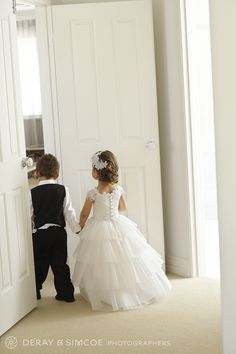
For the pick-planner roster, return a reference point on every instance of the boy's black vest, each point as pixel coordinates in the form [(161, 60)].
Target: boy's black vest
[(47, 201)]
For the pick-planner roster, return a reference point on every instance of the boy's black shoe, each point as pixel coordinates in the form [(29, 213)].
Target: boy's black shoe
[(60, 298), (38, 294)]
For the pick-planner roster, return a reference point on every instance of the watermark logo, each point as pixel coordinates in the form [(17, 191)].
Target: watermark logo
[(11, 342)]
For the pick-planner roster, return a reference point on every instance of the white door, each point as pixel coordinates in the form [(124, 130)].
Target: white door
[(17, 284), (106, 94)]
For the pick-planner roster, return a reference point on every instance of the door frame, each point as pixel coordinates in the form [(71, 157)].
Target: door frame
[(194, 261), (44, 32)]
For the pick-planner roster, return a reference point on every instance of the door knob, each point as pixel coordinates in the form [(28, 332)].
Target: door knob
[(27, 162), (150, 145)]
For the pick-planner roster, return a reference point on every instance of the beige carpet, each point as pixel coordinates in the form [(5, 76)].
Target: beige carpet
[(187, 322)]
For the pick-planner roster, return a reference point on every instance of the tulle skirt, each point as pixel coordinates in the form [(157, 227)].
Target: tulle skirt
[(116, 269)]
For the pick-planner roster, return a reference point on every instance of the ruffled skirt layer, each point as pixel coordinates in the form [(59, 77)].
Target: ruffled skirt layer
[(116, 268)]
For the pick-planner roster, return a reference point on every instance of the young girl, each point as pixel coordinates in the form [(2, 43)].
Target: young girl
[(115, 266)]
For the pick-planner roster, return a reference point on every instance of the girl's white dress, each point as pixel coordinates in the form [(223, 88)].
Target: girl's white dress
[(115, 266)]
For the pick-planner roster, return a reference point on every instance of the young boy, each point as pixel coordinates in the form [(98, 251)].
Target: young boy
[(51, 208)]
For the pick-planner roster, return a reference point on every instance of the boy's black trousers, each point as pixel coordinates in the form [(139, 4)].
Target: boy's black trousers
[(50, 249)]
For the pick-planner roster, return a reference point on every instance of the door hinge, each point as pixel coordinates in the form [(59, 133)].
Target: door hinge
[(14, 6)]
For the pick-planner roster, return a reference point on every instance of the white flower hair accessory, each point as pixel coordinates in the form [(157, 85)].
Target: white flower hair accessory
[(98, 164)]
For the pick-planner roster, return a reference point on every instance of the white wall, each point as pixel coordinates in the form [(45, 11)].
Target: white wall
[(223, 29), (173, 144)]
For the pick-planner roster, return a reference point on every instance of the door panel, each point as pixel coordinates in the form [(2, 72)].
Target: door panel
[(6, 274), (106, 95), (17, 283)]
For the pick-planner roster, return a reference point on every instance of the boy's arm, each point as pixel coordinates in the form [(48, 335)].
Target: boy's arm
[(69, 213), (31, 210), (85, 212)]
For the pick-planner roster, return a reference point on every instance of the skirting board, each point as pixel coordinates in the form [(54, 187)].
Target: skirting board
[(178, 266)]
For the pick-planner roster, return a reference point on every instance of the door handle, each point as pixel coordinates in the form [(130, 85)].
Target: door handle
[(27, 162), (150, 145)]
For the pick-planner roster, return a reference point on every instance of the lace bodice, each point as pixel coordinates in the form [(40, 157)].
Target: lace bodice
[(105, 205)]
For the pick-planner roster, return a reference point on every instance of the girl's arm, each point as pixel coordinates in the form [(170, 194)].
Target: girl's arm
[(122, 203), (85, 212), (69, 213)]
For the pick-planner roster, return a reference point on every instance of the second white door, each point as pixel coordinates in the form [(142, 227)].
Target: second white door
[(106, 95)]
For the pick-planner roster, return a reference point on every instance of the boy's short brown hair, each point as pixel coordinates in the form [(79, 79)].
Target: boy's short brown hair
[(48, 166)]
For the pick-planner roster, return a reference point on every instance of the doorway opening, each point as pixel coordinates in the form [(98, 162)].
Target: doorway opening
[(30, 85), (200, 98)]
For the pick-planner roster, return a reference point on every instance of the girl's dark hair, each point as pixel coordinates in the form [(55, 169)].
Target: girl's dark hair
[(110, 172), (48, 166)]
